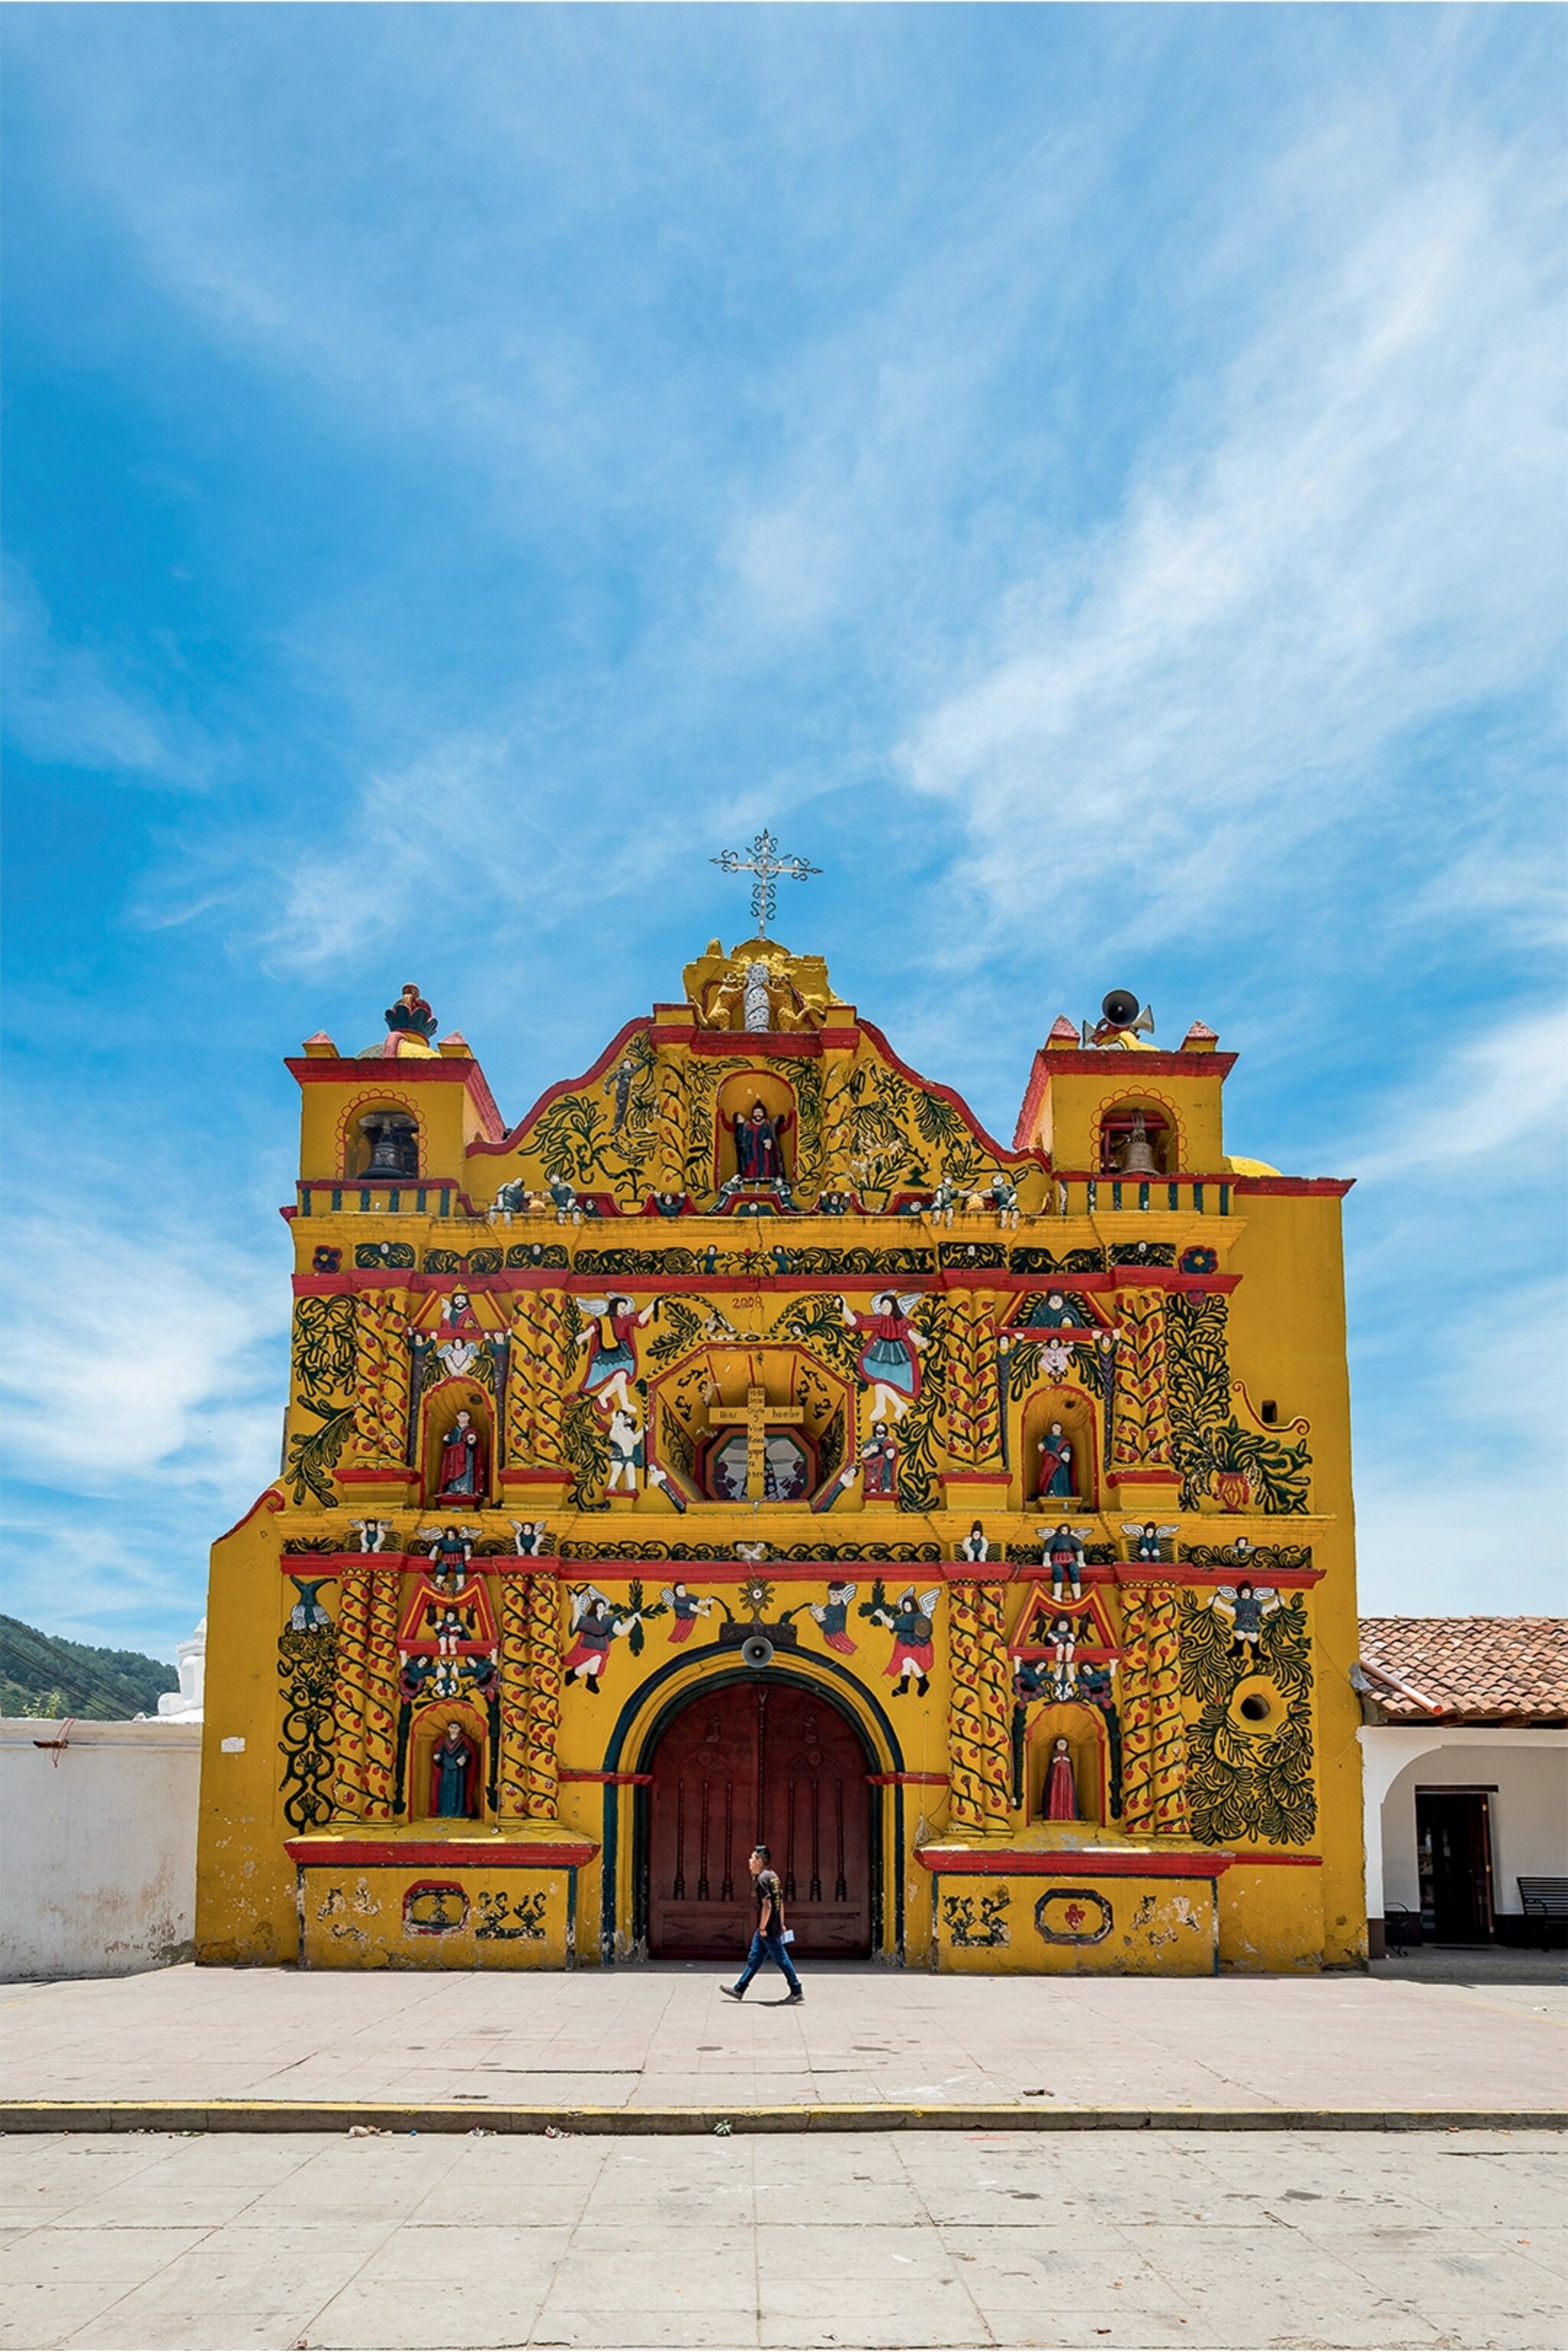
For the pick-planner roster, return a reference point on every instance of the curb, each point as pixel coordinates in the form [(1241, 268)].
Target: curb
[(339, 2116)]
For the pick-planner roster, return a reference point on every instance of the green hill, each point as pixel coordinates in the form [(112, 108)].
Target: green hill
[(40, 1674)]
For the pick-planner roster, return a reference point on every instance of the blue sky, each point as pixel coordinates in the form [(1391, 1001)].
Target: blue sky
[(1088, 477)]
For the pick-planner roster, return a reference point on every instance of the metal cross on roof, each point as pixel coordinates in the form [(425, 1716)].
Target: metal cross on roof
[(766, 864)]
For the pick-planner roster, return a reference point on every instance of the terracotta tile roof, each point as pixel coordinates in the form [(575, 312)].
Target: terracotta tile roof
[(1471, 1669)]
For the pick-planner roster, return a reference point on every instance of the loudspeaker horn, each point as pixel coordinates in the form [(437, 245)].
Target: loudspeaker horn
[(757, 1650), (1119, 1008)]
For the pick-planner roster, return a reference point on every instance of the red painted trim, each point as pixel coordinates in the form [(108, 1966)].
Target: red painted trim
[(270, 1498), (907, 1780), (514, 1136), (1329, 1187), (795, 1572), (401, 1475), (609, 1780), (498, 1854), (1093, 1863), (444, 1070)]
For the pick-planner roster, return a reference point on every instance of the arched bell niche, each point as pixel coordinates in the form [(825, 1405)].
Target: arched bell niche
[(1079, 1423), (1139, 1136), (1083, 1728), (381, 1145), (445, 1448)]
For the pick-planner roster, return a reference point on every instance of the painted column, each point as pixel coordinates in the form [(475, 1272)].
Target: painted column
[(381, 1378), (516, 1697), (978, 1735), (544, 1690), (349, 1696), (536, 1392), (380, 1719), (1142, 1434)]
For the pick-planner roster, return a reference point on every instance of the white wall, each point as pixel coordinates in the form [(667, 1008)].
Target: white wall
[(99, 1847), (1528, 1770)]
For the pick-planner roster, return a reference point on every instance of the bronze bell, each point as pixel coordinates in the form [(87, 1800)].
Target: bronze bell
[(393, 1148), (1138, 1154)]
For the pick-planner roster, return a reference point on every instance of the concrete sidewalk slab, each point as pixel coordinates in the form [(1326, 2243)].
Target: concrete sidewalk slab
[(946, 2240), (652, 2050)]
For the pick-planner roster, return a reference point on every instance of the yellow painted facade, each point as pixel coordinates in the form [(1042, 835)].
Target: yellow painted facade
[(667, 1468)]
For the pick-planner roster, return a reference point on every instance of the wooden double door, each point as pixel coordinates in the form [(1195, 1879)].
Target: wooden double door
[(769, 1763)]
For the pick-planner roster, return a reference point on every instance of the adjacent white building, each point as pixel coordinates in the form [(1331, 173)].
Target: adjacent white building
[(1465, 1763)]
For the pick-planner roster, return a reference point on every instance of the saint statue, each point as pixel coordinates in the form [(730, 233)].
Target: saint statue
[(462, 1462), (879, 1462), (454, 1776), (1056, 1463), (759, 1145), (889, 1363), (610, 1338), (1061, 1787)]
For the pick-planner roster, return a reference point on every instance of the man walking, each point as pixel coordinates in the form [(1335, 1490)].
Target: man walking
[(768, 1942)]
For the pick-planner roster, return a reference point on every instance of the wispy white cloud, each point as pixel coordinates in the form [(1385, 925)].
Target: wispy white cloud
[(1351, 549), (127, 1358), (1505, 1087), (62, 705)]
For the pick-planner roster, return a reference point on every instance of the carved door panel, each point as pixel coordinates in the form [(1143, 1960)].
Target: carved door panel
[(759, 1762)]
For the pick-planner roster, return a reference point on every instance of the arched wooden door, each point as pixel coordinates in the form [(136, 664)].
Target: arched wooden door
[(759, 1762)]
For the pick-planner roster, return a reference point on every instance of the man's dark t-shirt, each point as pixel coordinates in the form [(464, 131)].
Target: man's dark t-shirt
[(770, 1898)]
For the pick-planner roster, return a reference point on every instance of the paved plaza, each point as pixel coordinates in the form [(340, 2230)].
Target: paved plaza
[(1250, 2240), (662, 2039)]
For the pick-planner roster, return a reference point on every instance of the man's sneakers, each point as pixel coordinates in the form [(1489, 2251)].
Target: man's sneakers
[(730, 1994), (797, 1995)]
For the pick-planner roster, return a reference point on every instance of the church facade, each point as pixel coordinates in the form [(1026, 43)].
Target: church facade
[(747, 1446)]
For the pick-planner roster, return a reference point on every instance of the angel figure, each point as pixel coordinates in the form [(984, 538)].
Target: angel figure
[(831, 1617), (610, 1337), (1064, 1556), (1147, 1537), (889, 1361), (1247, 1607), (910, 1622), (528, 1535), (372, 1533), (685, 1607), (976, 1544), (594, 1628)]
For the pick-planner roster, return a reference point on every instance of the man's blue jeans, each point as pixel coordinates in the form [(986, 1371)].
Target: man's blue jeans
[(768, 1947)]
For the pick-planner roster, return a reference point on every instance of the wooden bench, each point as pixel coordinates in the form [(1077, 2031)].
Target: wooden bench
[(1545, 1899)]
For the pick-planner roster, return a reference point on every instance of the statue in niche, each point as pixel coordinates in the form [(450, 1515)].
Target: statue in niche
[(411, 1013), (1061, 1786), (759, 1145), (454, 1776), (462, 1474), (1055, 1451), (889, 1361), (975, 1545)]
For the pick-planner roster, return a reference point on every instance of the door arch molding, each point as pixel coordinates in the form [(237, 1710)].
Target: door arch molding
[(635, 1733)]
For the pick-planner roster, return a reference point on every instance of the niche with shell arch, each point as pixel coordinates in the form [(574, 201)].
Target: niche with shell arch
[(1083, 1728), (1116, 1124), (1081, 1426), (426, 1735), (736, 1098), (439, 1416)]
